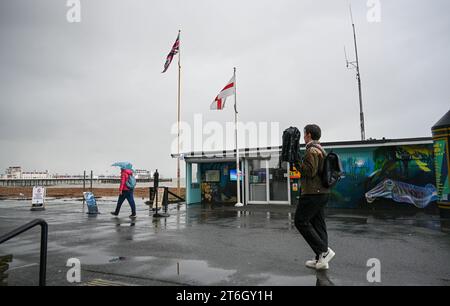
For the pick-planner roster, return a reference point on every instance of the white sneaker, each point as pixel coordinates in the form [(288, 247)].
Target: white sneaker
[(325, 258), (323, 267), (311, 263)]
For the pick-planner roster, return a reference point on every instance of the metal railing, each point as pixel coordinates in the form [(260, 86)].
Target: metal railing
[(44, 238), (180, 199)]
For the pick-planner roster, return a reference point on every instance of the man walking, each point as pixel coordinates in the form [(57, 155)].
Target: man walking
[(310, 213)]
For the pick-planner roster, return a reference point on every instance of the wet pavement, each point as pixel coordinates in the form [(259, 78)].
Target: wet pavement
[(201, 245)]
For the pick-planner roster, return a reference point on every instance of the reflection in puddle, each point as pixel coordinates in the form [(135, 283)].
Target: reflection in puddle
[(268, 279), (94, 258), (117, 259), (197, 271), (323, 279), (99, 258)]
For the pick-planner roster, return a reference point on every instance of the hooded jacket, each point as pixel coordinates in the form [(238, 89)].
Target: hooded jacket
[(124, 174), (291, 146), (311, 168)]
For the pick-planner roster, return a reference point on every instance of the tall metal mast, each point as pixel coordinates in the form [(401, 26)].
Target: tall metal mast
[(355, 65)]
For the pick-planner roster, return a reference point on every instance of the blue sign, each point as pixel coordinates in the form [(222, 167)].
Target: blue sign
[(233, 175)]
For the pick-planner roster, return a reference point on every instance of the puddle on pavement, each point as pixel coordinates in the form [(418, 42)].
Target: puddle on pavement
[(349, 219), (94, 259), (197, 272), (429, 224), (237, 218), (92, 256), (26, 247), (99, 258), (267, 279), (315, 279), (117, 259)]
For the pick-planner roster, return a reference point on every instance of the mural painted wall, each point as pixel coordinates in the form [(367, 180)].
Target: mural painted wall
[(401, 175)]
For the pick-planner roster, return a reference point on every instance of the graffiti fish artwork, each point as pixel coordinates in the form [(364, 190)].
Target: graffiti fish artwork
[(403, 193)]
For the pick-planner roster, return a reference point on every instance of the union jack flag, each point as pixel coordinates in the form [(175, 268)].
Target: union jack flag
[(172, 53)]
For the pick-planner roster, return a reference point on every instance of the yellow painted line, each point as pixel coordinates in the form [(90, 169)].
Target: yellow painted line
[(102, 282), (441, 129), (444, 205), (440, 135)]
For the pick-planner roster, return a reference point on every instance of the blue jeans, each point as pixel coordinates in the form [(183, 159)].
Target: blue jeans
[(126, 195)]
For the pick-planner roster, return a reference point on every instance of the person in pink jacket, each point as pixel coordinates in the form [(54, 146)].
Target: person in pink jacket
[(125, 193)]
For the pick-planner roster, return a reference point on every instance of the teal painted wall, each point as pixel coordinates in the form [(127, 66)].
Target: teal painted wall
[(193, 191)]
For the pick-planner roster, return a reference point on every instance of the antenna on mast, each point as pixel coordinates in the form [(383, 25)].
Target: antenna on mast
[(351, 13), (346, 58)]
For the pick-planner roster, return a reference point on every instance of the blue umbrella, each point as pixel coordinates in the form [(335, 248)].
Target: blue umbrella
[(123, 165)]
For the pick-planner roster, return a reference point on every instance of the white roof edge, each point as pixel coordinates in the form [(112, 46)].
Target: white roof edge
[(219, 154), (387, 144)]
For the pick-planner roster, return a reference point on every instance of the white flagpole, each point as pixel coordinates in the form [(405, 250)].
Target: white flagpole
[(238, 172), (178, 114)]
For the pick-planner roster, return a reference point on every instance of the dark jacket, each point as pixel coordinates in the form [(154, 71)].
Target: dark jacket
[(311, 168), (291, 146)]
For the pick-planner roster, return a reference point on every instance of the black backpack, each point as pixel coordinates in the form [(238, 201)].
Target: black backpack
[(332, 170), (290, 151)]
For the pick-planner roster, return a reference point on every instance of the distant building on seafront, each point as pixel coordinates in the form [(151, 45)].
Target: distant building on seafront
[(142, 174), (13, 173), (16, 172)]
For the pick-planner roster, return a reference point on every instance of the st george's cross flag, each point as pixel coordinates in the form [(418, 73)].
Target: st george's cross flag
[(228, 90), (172, 53)]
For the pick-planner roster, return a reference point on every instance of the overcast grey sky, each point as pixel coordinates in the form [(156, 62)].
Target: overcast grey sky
[(77, 96)]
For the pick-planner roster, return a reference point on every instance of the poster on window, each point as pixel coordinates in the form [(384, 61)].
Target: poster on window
[(212, 176)]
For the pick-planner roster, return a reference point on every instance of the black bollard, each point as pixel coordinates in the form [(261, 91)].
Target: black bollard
[(156, 186)]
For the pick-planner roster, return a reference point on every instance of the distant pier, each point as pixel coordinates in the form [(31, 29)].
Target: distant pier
[(67, 181)]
